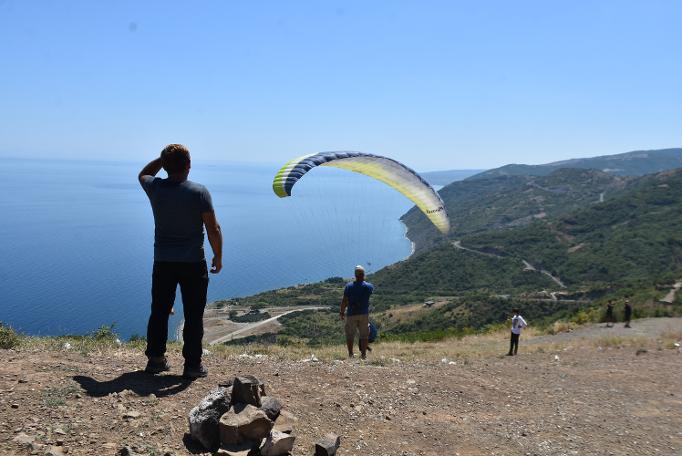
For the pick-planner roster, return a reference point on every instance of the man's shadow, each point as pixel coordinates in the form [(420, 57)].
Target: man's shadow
[(139, 382)]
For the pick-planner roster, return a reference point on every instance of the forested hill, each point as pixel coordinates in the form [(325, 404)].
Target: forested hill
[(633, 235), (515, 195), (636, 163), (508, 201)]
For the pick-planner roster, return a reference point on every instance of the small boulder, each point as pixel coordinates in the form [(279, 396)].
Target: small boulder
[(243, 449), (285, 422), (23, 439), (327, 445), (55, 451), (277, 444), (271, 406), (204, 418), (247, 389), (244, 423)]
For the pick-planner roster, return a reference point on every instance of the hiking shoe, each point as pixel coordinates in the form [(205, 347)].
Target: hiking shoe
[(157, 365), (195, 372)]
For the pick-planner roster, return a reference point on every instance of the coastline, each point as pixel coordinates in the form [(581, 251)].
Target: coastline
[(179, 327), (413, 246)]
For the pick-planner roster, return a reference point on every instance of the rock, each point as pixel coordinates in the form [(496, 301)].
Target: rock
[(641, 351), (23, 439), (243, 423), (247, 389), (277, 444), (271, 406), (204, 418), (55, 451), (244, 449), (285, 428), (132, 414), (126, 451), (285, 422), (327, 445), (36, 447)]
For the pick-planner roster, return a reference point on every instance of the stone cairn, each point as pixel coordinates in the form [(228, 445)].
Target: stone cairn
[(239, 419)]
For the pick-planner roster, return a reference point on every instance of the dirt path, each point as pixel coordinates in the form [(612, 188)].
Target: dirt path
[(642, 328), (253, 326), (526, 265), (592, 401), (670, 297)]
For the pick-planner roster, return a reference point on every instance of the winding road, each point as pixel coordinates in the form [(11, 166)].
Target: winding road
[(252, 326), (526, 265)]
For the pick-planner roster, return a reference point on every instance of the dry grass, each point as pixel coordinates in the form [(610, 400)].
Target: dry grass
[(459, 350)]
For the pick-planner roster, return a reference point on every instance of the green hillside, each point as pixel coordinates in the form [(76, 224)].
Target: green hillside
[(634, 235), (636, 163), (476, 205)]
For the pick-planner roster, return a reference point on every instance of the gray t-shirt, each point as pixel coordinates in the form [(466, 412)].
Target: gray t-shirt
[(177, 207)]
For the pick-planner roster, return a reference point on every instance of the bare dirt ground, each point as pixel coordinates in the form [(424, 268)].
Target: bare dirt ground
[(584, 393), (219, 328)]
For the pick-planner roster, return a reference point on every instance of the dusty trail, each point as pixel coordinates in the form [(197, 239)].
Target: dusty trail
[(526, 265), (252, 326)]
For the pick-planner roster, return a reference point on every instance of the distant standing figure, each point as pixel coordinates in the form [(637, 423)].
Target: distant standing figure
[(518, 323), (355, 311), (609, 314), (181, 210), (627, 313)]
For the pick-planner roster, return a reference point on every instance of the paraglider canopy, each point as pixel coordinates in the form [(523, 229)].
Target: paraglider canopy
[(386, 170)]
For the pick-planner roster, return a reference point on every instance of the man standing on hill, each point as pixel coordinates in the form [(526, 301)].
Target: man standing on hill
[(181, 210), (355, 310), (627, 312), (518, 323), (609, 314)]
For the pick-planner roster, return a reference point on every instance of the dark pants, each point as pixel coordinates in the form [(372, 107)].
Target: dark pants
[(514, 343), (193, 281)]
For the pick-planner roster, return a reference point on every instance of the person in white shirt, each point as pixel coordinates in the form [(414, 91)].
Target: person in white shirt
[(518, 323)]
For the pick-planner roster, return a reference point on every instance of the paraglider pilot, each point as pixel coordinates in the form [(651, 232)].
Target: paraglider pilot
[(355, 311)]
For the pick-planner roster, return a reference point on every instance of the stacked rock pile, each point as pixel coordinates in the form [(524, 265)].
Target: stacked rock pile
[(239, 419)]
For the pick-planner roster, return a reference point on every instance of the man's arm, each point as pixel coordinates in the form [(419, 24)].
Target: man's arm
[(151, 169), (344, 304), (215, 238)]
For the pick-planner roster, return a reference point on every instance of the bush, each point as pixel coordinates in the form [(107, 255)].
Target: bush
[(8, 337), (104, 333)]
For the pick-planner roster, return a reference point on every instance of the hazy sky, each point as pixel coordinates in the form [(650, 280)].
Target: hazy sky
[(438, 85)]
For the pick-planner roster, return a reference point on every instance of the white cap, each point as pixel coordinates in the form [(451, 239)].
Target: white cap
[(359, 268)]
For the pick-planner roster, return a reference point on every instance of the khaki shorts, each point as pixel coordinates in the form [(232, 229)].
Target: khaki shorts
[(359, 323)]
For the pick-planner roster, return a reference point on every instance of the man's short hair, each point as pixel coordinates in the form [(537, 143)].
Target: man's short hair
[(175, 158), (515, 310)]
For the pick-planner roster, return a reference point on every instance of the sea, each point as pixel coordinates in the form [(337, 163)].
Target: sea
[(76, 238)]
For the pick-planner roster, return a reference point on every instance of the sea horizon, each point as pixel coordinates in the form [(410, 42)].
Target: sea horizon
[(90, 227)]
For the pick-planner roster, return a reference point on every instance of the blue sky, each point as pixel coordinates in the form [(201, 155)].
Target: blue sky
[(438, 85)]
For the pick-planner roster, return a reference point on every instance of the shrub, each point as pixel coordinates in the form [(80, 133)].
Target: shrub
[(104, 333), (8, 337)]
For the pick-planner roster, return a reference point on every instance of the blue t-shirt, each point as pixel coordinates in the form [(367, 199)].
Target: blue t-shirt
[(179, 228), (358, 294)]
